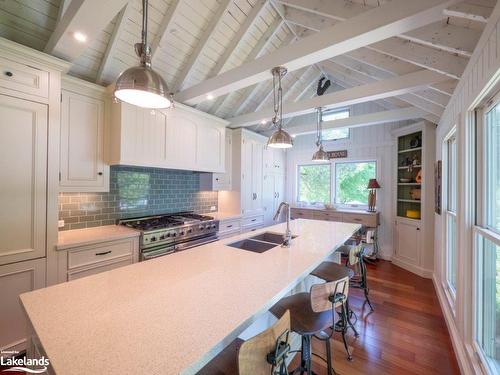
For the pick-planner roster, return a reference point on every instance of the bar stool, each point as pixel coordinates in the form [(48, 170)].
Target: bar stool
[(311, 314), (355, 256), (263, 354)]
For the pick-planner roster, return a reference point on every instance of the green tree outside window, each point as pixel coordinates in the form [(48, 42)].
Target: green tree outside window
[(314, 183), (351, 180)]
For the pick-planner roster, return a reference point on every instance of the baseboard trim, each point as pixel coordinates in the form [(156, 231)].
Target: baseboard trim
[(422, 272), (456, 341)]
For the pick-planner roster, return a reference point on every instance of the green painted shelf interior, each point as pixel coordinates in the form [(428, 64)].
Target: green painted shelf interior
[(409, 156)]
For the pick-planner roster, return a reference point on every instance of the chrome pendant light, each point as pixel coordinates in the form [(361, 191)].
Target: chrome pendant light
[(141, 85), (320, 155), (280, 138)]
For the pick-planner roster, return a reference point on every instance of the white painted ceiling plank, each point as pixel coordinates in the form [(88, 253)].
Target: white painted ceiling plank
[(369, 119), (165, 23), (110, 49), (86, 16), (195, 55), (371, 26), (359, 94), (469, 11)]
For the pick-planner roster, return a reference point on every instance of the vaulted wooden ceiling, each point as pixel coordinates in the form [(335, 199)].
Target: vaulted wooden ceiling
[(401, 55)]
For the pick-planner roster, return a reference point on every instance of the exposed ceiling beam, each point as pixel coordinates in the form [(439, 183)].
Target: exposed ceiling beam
[(164, 27), (414, 53), (256, 51), (207, 35), (363, 79), (369, 27), (375, 118), (359, 94), (249, 21), (86, 16), (469, 11), (121, 21)]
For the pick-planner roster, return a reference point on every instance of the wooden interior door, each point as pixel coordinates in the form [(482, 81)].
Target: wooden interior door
[(23, 176)]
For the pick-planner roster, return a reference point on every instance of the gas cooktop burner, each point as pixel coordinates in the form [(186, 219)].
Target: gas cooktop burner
[(165, 221)]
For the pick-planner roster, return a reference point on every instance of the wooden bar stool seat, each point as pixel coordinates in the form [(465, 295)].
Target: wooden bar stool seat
[(330, 271), (263, 354)]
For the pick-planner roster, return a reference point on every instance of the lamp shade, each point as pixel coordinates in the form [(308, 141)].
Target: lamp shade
[(320, 156), (280, 139), (373, 184), (143, 87)]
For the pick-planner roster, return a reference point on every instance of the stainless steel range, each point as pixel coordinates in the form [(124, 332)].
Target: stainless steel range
[(165, 234)]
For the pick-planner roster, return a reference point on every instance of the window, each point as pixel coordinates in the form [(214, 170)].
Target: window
[(335, 134), (351, 180), (487, 240), (314, 183), (450, 211)]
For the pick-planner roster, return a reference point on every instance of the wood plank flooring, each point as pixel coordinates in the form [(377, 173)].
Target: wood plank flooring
[(406, 334)]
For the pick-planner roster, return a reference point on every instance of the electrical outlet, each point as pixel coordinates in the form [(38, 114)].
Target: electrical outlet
[(60, 223), (213, 208)]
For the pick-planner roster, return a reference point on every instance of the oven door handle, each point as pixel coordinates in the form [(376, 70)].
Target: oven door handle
[(157, 253), (199, 242)]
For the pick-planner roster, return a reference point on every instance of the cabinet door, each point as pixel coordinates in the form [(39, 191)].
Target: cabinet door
[(23, 176), (257, 175), (247, 195), (279, 160), (15, 279), (210, 147), (182, 137), (279, 193), (268, 198), (82, 144), (222, 181), (408, 241)]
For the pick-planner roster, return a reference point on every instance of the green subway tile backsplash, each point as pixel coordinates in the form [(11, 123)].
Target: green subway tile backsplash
[(136, 191)]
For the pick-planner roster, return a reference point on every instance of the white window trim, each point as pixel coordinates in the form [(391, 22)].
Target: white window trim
[(333, 184), (349, 129), (450, 290)]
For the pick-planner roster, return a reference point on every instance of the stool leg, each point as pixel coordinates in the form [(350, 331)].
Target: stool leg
[(329, 357), (349, 318), (366, 290), (344, 331), (305, 360)]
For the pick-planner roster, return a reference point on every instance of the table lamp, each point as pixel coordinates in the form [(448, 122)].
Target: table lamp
[(372, 194)]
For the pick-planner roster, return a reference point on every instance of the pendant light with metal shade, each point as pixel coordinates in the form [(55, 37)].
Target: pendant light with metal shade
[(141, 85), (280, 138), (320, 155)]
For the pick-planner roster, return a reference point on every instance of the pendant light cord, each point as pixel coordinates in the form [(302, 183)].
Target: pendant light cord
[(278, 98), (319, 134)]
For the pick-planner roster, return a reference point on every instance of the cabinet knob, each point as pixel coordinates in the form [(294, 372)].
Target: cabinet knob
[(9, 74), (100, 173), (418, 228)]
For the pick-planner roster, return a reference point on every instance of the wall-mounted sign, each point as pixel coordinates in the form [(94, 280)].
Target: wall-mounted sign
[(337, 154)]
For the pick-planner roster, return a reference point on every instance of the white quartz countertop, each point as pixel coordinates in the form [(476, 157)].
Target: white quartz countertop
[(172, 314), (224, 215), (77, 237)]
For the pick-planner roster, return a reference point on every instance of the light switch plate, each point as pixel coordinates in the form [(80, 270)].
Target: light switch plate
[(60, 223), (213, 208)]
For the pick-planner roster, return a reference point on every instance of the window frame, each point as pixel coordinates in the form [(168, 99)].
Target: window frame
[(337, 110), (450, 213), (333, 184), (297, 182), (480, 229)]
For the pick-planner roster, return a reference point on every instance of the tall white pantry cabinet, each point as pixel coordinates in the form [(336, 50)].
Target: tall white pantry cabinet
[(29, 168)]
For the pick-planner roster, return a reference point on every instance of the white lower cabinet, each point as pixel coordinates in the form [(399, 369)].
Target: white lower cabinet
[(15, 279), (81, 261), (229, 227), (82, 166), (408, 242), (177, 138), (274, 194)]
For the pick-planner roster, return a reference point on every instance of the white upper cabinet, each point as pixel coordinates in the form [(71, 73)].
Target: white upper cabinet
[(82, 167), (23, 172), (178, 138), (274, 160)]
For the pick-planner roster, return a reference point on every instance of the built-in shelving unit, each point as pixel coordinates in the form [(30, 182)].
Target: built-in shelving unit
[(409, 160)]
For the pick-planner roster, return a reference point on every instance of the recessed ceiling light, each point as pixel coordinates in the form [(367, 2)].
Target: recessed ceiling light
[(263, 122), (210, 97), (79, 36)]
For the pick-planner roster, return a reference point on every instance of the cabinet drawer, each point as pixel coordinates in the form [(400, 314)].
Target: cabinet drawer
[(98, 253), (229, 226), (366, 220), (302, 214), (78, 274), (328, 216), (252, 229), (24, 78), (253, 221)]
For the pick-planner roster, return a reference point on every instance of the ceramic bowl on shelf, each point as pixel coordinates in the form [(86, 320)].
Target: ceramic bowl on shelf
[(413, 214), (404, 180)]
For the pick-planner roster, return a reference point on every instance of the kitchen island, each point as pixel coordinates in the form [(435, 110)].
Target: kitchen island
[(171, 315)]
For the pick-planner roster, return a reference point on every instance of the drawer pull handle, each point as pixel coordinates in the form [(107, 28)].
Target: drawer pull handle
[(104, 253), (356, 219), (254, 220), (100, 173), (229, 226), (9, 74)]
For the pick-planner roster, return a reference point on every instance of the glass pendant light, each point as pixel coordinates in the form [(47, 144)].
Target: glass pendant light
[(320, 155), (141, 85), (280, 138)]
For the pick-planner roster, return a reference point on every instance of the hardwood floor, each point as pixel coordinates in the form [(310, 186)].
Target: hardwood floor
[(406, 334)]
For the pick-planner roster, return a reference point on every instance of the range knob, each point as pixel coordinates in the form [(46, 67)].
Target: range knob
[(174, 234), (152, 239), (181, 233), (162, 237), (190, 231), (214, 226), (201, 227)]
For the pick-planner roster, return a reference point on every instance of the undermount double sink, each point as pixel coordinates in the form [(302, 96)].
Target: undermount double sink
[(260, 243)]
